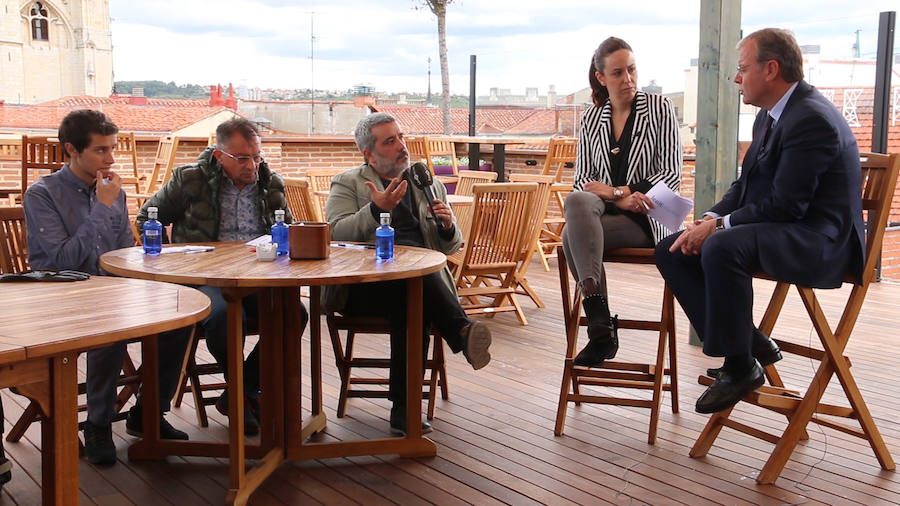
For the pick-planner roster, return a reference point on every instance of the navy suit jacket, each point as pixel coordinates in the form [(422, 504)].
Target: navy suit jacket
[(806, 182)]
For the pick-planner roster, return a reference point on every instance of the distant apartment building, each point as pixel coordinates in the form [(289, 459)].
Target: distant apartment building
[(320, 117), (504, 96), (50, 49)]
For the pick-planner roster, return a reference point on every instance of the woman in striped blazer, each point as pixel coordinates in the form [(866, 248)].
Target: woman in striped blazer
[(629, 141)]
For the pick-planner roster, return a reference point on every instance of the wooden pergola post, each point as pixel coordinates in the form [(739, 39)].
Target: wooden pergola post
[(717, 105)]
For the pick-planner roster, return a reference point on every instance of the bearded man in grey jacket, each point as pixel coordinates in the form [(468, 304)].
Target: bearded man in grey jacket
[(356, 200)]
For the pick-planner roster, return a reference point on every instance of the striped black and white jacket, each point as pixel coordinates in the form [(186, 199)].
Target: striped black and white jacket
[(655, 147)]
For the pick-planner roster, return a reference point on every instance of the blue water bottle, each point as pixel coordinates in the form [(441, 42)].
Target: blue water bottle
[(152, 236), (384, 239), (280, 233)]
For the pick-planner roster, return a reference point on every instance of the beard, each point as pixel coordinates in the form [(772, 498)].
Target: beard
[(390, 168)]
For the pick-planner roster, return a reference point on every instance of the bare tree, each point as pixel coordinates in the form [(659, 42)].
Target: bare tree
[(439, 8)]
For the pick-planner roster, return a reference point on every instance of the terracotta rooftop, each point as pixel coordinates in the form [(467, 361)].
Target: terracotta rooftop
[(156, 116), (86, 101), (492, 120)]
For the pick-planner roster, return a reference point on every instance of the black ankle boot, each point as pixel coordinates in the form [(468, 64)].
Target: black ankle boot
[(602, 328), (603, 344)]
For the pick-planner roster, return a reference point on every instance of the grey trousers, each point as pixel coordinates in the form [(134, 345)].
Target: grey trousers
[(590, 231), (104, 365)]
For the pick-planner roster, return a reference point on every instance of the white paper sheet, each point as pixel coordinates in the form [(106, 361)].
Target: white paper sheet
[(187, 249), (263, 239), (671, 209)]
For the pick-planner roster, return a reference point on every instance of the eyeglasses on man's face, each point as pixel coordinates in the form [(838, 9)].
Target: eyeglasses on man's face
[(256, 159)]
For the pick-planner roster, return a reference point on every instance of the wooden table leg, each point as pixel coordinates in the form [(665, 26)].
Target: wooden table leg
[(271, 377), (235, 352), (59, 434), (413, 445), (299, 430), (150, 389)]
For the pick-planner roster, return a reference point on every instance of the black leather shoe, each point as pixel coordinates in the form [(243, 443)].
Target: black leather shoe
[(134, 425), (98, 444), (765, 351), (726, 391), (251, 420), (603, 344)]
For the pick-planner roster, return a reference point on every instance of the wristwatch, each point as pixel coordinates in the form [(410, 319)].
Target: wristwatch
[(618, 193), (720, 223)]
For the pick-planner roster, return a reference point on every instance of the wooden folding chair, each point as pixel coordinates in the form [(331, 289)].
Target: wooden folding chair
[(535, 223), (494, 248), (14, 258), (13, 249), (126, 158), (560, 155), (614, 373), (163, 164), (320, 186), (879, 180), (10, 149), (354, 326), (39, 153), (463, 211), (300, 201), (424, 148)]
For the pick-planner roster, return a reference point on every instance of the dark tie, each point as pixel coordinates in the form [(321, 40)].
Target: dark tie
[(768, 129), (769, 121)]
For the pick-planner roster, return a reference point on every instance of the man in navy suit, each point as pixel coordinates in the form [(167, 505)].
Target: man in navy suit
[(795, 213)]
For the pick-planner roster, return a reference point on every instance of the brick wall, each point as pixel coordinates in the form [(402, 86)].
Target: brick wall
[(292, 157)]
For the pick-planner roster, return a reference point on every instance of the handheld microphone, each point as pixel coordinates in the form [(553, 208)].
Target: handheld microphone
[(421, 177)]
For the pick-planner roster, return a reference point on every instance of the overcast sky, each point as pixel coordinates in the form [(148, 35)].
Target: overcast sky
[(386, 43)]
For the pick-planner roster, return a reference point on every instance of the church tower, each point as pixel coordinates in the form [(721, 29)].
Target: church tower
[(54, 48)]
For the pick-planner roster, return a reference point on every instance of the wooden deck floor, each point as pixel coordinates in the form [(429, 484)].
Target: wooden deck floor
[(495, 434)]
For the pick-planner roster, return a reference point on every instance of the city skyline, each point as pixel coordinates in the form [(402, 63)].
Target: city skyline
[(384, 43)]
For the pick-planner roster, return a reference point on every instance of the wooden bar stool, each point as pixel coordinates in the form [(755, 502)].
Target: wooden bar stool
[(879, 176), (343, 356), (613, 373)]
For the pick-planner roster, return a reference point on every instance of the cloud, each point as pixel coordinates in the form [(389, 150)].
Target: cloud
[(387, 43)]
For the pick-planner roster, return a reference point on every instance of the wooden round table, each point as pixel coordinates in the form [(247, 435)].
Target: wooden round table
[(43, 327), (233, 267)]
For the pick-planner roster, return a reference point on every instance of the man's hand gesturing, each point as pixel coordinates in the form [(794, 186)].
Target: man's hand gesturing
[(390, 197)]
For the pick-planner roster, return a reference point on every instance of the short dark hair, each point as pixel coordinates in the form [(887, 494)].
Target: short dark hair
[(599, 93), (243, 126), (363, 133), (779, 45), (76, 128)]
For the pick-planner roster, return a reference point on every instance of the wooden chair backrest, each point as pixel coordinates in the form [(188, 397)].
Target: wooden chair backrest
[(499, 225), (879, 178), (439, 146), (320, 184), (469, 178), (415, 145), (40, 153), (126, 155), (10, 149), (163, 163), (538, 211), (300, 201), (13, 248), (560, 151)]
